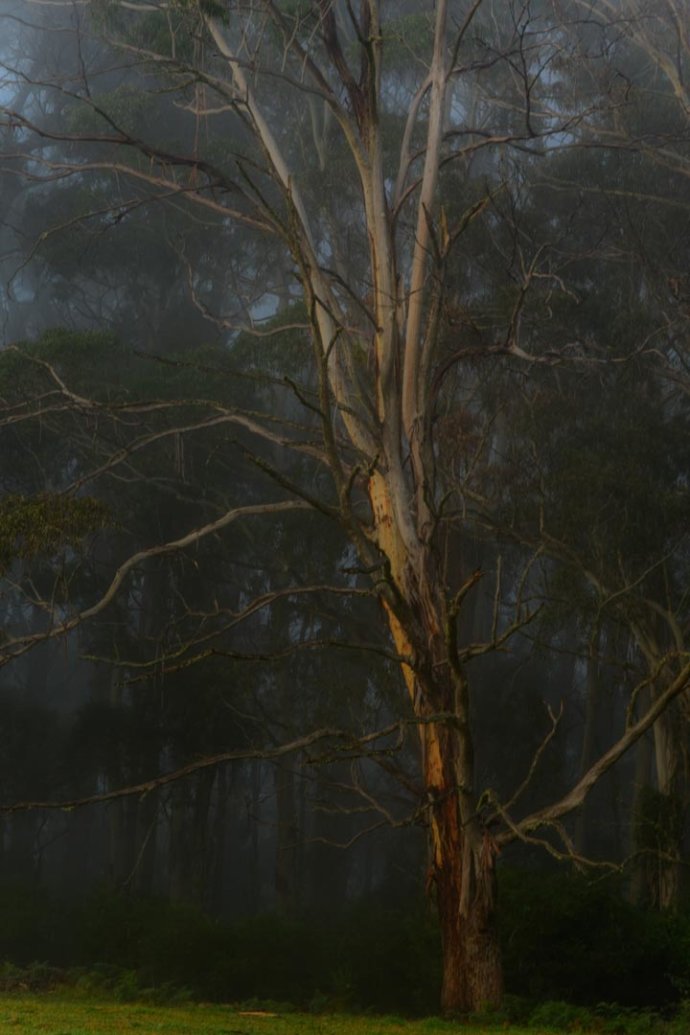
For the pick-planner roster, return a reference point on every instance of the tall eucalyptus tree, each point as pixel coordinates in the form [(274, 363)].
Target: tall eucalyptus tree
[(369, 141)]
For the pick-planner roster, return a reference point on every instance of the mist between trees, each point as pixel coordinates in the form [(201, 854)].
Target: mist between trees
[(344, 386)]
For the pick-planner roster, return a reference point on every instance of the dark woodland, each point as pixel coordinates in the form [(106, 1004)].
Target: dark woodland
[(344, 497)]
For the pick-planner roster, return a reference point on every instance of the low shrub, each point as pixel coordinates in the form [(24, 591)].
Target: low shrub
[(35, 977), (560, 1016), (569, 938), (566, 940), (34, 925)]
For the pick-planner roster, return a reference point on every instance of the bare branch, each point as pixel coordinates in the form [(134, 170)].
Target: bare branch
[(13, 647), (577, 794)]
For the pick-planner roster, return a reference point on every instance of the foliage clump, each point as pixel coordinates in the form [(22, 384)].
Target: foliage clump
[(44, 523)]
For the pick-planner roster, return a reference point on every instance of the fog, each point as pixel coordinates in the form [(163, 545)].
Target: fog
[(344, 459)]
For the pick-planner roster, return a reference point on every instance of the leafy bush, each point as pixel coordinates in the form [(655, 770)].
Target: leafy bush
[(33, 926), (392, 957), (125, 986), (567, 940), (574, 939), (36, 977), (560, 1016), (617, 1020), (373, 958)]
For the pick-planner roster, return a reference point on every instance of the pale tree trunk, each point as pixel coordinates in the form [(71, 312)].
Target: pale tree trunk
[(329, 865), (643, 765), (144, 872), (178, 845), (286, 838), (660, 816), (589, 738), (421, 618), (669, 808), (199, 884), (659, 819), (221, 840), (253, 893)]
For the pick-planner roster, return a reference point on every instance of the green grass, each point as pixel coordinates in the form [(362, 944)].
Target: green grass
[(51, 1014)]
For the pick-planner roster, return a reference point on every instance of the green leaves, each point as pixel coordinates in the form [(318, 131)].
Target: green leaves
[(46, 523)]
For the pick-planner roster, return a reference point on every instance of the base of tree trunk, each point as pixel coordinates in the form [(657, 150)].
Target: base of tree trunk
[(472, 968)]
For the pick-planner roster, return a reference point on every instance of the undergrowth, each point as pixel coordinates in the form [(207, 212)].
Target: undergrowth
[(568, 947)]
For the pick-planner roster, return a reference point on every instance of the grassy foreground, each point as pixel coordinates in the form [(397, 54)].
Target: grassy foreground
[(56, 1015)]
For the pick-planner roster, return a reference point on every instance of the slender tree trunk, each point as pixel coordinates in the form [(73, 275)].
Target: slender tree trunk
[(329, 865), (221, 840), (254, 883), (286, 838), (179, 847), (200, 857), (659, 819), (583, 833), (640, 882), (146, 835), (670, 808)]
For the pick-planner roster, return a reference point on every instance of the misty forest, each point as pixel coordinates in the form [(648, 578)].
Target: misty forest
[(345, 499)]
